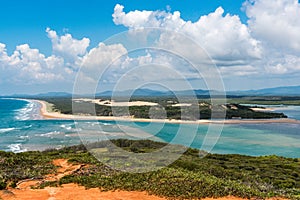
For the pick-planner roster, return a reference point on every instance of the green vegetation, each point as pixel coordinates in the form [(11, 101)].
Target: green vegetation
[(189, 177), (27, 165), (164, 109), (246, 113)]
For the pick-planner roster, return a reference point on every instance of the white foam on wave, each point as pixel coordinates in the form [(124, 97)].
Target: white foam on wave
[(23, 136), (3, 130), (27, 127), (30, 111), (67, 127), (106, 124), (16, 148), (49, 134), (24, 113)]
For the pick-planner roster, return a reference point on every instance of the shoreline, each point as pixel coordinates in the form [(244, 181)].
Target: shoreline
[(56, 115)]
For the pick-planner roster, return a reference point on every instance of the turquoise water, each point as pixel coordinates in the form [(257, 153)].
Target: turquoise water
[(21, 129), (291, 111)]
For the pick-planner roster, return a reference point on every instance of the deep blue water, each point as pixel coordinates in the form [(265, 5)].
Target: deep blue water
[(22, 129)]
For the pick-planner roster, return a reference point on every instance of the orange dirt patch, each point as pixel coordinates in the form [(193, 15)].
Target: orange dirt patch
[(73, 191), (238, 198), (67, 191), (64, 169)]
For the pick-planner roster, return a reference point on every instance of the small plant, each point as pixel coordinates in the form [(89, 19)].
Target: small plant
[(13, 184), (2, 185)]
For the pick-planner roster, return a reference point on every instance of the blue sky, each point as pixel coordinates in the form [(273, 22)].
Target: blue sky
[(267, 46), (26, 22)]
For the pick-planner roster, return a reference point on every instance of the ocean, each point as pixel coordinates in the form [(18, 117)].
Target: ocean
[(23, 129)]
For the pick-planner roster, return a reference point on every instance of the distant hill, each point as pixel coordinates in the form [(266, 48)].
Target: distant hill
[(48, 94), (55, 94), (277, 91), (153, 93), (138, 93)]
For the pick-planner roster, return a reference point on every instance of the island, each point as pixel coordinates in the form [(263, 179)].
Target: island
[(156, 109)]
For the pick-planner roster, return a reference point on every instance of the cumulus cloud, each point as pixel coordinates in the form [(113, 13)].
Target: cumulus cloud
[(98, 59), (28, 65), (106, 65), (224, 37), (132, 19), (69, 48), (275, 22), (283, 64), (94, 65), (277, 25), (4, 58), (268, 44), (102, 55)]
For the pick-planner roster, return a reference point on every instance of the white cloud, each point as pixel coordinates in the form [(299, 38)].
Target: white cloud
[(268, 44), (54, 61), (3, 54), (287, 64), (275, 22), (94, 65), (224, 37), (28, 65), (102, 55), (132, 19), (67, 47), (247, 70), (98, 59), (108, 64)]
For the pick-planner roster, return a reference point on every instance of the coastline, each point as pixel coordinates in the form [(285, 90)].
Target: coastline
[(48, 114)]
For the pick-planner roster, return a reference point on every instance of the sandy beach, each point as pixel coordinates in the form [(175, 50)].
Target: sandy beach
[(47, 113), (262, 109)]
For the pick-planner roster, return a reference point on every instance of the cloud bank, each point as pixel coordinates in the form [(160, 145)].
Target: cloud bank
[(268, 44)]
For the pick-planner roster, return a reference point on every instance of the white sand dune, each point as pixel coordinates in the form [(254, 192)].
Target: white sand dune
[(116, 103)]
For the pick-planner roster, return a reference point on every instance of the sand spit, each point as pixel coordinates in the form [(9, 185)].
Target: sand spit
[(47, 114)]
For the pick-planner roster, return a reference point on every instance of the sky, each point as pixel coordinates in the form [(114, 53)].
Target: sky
[(53, 45)]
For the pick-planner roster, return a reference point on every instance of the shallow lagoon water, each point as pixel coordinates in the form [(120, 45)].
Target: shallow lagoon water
[(21, 130)]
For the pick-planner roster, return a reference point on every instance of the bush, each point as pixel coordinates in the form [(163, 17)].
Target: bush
[(189, 177), (2, 185)]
